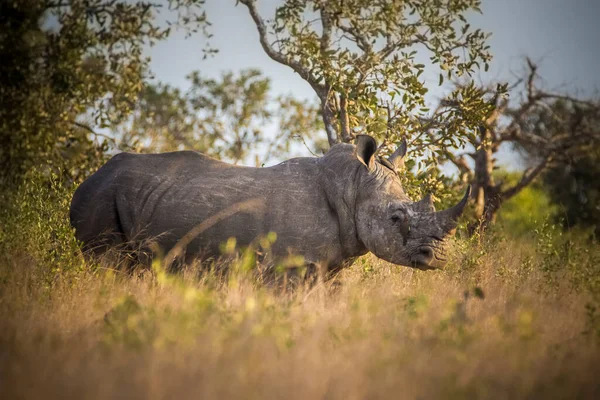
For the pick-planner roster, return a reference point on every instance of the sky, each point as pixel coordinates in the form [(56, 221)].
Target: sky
[(561, 36)]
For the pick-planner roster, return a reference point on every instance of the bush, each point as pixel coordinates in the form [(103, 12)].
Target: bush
[(35, 227), (522, 214)]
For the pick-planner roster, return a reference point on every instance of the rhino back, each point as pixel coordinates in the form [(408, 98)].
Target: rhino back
[(164, 196)]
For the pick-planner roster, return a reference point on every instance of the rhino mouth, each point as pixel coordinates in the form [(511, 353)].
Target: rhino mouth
[(422, 266), (427, 258)]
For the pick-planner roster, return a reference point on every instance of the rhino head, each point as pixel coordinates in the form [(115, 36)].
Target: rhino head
[(392, 226)]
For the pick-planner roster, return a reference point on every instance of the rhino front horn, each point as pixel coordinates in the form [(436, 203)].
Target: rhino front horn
[(449, 218)]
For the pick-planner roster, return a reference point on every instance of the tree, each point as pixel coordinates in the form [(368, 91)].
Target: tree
[(362, 59), (575, 186), (70, 67), (226, 118), (548, 128)]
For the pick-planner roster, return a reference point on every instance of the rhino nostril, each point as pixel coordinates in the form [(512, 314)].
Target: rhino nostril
[(425, 254)]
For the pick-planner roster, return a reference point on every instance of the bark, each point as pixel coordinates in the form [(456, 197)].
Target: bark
[(328, 110), (490, 196), (486, 194)]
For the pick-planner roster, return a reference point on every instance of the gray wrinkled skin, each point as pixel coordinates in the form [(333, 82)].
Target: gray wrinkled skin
[(329, 210)]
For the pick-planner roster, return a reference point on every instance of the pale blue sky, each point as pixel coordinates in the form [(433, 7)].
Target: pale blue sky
[(561, 35)]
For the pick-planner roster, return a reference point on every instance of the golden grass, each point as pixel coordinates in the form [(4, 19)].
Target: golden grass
[(379, 331)]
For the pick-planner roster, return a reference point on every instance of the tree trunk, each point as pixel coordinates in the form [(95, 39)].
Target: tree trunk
[(486, 193), (329, 115)]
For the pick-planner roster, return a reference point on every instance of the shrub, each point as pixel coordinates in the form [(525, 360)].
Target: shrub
[(34, 224)]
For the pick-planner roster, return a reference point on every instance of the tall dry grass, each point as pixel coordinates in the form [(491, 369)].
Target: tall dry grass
[(494, 325)]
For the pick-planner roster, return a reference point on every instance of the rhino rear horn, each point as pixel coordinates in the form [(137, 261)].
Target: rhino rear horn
[(448, 219), (366, 147), (425, 204), (397, 158)]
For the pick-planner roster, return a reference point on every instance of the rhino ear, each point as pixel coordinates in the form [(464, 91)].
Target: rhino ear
[(365, 149)]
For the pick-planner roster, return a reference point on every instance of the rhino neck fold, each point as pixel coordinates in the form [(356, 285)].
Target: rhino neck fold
[(340, 186)]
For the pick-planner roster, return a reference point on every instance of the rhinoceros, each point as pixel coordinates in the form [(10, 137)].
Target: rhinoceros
[(329, 210)]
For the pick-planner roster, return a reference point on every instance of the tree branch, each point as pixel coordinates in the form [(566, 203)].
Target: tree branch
[(466, 173), (321, 90), (326, 36), (531, 78), (277, 56), (329, 119), (359, 39), (346, 134), (93, 132), (528, 176)]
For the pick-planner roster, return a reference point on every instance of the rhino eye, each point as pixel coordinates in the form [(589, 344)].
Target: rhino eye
[(398, 217)]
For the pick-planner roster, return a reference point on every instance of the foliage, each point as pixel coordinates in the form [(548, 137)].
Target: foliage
[(228, 118), (35, 227), (65, 60), (574, 185), (68, 68), (524, 212), (362, 59), (546, 127)]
